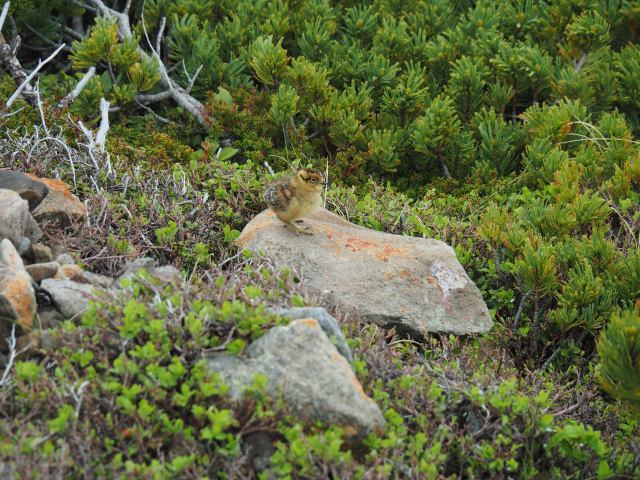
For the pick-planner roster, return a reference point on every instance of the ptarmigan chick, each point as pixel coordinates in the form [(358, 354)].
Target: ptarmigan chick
[(294, 197)]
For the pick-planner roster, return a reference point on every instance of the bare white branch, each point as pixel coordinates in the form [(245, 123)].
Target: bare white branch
[(193, 79), (40, 109), (153, 97), (3, 15), (13, 353), (154, 114), (163, 23), (87, 133), (101, 136), (24, 84), (71, 96), (161, 66), (77, 395)]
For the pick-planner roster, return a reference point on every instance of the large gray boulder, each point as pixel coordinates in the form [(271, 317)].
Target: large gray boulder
[(301, 365), (415, 285)]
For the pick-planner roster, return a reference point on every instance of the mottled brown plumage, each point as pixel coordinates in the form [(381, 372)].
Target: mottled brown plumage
[(294, 197)]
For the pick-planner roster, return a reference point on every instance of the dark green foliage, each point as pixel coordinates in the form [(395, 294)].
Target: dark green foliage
[(619, 350)]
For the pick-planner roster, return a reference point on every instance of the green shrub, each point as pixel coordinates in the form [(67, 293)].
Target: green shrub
[(619, 351)]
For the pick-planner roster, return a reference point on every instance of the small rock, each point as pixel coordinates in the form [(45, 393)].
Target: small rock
[(72, 272), (314, 380), (328, 323), (57, 249), (25, 186), (41, 253), (65, 259), (166, 274), (42, 271), (131, 268), (24, 247), (14, 212), (259, 448), (60, 205), (49, 317), (96, 280), (71, 298), (32, 230), (17, 297), (9, 255)]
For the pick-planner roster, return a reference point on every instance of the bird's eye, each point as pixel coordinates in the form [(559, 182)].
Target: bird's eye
[(313, 180)]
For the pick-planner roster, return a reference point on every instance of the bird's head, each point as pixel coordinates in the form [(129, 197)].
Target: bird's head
[(310, 180)]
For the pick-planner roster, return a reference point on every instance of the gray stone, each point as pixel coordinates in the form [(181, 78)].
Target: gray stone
[(9, 256), (41, 253), (25, 186), (328, 323), (96, 280), (71, 298), (24, 247), (32, 230), (133, 267), (42, 271), (14, 214), (65, 259), (259, 449), (305, 369), (166, 274), (414, 285), (57, 249)]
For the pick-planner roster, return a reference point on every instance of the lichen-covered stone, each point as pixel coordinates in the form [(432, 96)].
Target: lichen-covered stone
[(413, 284), (14, 214), (17, 297), (315, 381), (60, 205)]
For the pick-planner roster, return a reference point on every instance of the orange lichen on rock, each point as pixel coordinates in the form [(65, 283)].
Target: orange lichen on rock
[(60, 205), (17, 295)]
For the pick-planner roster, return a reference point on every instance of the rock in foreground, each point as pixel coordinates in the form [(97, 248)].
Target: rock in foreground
[(17, 297), (60, 205), (315, 381), (413, 284), (21, 183)]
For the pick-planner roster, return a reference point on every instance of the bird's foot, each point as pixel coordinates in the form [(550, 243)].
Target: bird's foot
[(298, 229)]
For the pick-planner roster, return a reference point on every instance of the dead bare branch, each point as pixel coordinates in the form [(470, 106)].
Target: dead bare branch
[(21, 87), (179, 95), (3, 15), (163, 23), (71, 96), (101, 136)]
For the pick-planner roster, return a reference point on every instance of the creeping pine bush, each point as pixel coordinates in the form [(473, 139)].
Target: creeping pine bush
[(619, 350)]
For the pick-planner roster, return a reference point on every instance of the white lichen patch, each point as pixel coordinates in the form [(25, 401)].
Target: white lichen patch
[(449, 280)]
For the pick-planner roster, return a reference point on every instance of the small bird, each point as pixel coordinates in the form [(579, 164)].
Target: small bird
[(294, 197)]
